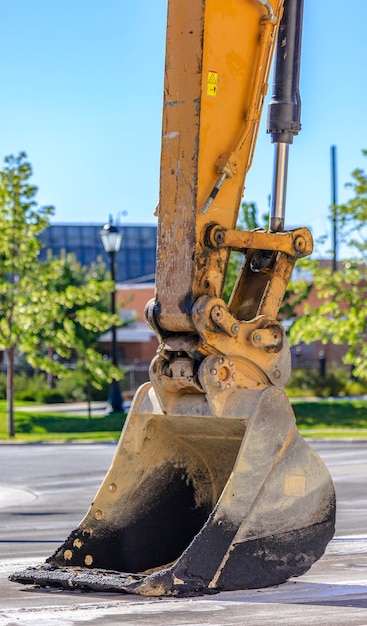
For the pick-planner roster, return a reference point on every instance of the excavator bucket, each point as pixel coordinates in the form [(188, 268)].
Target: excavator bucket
[(211, 487), (195, 503)]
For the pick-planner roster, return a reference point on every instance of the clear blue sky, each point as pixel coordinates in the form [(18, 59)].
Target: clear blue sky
[(81, 93)]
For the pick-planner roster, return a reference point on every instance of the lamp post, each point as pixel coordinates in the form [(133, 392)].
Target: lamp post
[(111, 240)]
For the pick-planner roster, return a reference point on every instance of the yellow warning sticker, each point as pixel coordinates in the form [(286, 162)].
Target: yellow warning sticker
[(212, 84)]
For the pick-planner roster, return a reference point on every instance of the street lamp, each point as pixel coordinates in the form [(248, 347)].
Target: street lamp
[(111, 239)]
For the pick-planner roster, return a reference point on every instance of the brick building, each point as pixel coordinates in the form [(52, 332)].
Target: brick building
[(136, 341), (316, 354)]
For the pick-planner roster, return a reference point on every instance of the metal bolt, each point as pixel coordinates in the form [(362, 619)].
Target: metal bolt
[(219, 237), (299, 244), (257, 337), (277, 374), (98, 514), (217, 313), (213, 371), (112, 487), (235, 329)]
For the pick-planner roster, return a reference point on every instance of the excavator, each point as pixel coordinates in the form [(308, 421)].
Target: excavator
[(212, 487)]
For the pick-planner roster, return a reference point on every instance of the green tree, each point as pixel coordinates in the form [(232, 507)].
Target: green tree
[(40, 312), (341, 314), (21, 222), (77, 312)]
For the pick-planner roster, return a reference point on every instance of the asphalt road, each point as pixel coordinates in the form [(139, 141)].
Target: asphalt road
[(46, 489)]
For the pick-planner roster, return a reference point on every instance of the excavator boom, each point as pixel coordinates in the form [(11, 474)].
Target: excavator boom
[(211, 486), (217, 65)]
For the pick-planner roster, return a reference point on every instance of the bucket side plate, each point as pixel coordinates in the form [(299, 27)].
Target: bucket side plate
[(194, 503)]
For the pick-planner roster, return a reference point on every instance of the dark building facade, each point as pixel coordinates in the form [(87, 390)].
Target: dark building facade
[(134, 262)]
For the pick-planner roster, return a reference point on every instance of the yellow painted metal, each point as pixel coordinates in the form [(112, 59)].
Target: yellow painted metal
[(211, 487), (217, 64), (296, 243), (262, 292)]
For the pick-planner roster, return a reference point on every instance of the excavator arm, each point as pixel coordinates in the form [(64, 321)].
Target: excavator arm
[(217, 68), (212, 487), (217, 65)]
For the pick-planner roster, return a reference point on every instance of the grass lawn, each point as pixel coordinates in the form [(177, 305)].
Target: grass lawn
[(331, 418), (316, 418), (35, 426)]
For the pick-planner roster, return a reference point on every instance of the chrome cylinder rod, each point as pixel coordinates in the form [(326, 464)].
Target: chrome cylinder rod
[(277, 214)]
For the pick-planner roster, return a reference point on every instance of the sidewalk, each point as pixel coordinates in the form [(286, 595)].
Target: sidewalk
[(74, 408)]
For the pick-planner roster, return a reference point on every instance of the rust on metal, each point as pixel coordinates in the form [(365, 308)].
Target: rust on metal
[(211, 487)]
